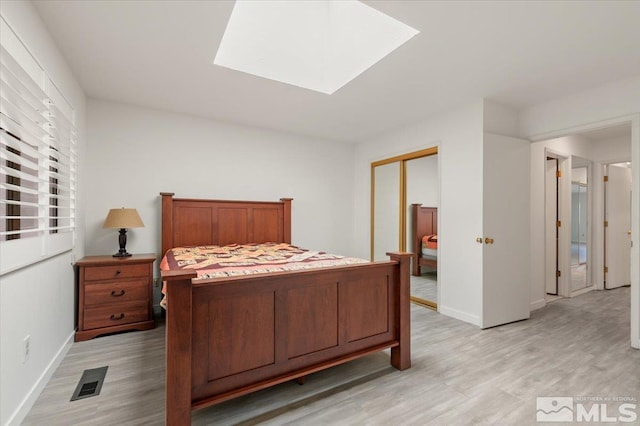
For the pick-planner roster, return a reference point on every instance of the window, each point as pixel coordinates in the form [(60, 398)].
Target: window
[(37, 156)]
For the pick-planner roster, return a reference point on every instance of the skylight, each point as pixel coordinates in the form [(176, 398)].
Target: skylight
[(317, 45)]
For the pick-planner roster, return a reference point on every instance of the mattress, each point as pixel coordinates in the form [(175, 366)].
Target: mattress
[(249, 259)]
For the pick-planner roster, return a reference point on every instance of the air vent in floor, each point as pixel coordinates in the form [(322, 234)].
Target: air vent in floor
[(90, 383)]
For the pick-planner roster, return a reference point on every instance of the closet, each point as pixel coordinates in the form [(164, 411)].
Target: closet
[(396, 184)]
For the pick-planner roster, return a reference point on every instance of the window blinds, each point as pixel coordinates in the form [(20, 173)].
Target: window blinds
[(37, 157)]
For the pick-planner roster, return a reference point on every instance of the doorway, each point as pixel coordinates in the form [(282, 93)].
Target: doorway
[(606, 142), (580, 225)]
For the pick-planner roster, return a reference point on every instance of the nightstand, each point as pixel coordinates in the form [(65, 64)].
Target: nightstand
[(115, 294)]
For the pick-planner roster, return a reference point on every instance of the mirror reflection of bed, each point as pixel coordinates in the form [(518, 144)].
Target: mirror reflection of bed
[(424, 266), (422, 199)]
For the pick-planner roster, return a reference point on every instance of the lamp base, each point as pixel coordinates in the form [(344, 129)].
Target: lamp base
[(122, 254), (122, 239)]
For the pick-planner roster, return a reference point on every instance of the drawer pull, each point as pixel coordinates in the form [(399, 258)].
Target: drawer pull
[(114, 294), (117, 272), (116, 318)]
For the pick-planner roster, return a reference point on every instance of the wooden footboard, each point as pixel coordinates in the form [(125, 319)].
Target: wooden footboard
[(231, 336)]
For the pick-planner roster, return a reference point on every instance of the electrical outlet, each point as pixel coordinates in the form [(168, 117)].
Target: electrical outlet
[(26, 345)]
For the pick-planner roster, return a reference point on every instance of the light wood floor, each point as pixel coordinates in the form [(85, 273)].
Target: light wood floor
[(461, 375)]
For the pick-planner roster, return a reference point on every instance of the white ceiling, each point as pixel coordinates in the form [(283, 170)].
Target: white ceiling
[(160, 54)]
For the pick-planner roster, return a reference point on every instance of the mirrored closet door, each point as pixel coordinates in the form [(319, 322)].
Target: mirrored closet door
[(404, 216), (386, 210)]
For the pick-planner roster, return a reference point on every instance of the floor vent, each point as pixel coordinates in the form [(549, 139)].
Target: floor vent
[(90, 383)]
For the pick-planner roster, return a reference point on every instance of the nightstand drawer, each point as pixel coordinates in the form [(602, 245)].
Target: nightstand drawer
[(109, 315), (114, 294), (115, 272), (133, 290)]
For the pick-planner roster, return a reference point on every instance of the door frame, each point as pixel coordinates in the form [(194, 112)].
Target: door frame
[(634, 120), (591, 220), (563, 253)]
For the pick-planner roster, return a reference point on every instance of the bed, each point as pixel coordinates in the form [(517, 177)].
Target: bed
[(424, 238), (229, 336)]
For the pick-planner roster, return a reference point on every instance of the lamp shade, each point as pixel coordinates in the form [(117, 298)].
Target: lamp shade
[(123, 218)]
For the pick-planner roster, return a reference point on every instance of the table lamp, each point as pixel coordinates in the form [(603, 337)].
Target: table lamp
[(123, 219)]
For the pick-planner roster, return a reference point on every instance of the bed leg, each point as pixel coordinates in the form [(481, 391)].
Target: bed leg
[(401, 354), (301, 380), (178, 352)]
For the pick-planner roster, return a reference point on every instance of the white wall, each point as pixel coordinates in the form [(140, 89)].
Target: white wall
[(592, 106), (616, 150), (612, 104), (38, 300), (458, 135), (499, 119), (135, 153)]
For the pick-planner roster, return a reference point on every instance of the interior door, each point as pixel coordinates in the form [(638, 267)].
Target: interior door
[(617, 231), (506, 248), (551, 228)]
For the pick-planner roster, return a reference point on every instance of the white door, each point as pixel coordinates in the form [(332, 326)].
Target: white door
[(550, 226), (506, 211), (617, 233)]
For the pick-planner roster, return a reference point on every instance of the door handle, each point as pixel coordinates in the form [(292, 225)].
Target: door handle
[(479, 240), (488, 240)]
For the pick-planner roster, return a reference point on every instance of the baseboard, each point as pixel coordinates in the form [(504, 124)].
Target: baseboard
[(460, 315), (537, 304), (25, 406), (581, 291)]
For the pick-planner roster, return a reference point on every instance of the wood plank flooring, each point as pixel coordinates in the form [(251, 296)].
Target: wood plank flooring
[(461, 375)]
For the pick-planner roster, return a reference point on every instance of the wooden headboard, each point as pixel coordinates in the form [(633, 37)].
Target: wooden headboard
[(188, 222)]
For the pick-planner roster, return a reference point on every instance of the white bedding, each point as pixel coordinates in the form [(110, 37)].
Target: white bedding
[(429, 252)]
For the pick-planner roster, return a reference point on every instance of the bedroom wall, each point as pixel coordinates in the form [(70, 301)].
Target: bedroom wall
[(38, 300), (610, 104), (135, 153), (458, 135)]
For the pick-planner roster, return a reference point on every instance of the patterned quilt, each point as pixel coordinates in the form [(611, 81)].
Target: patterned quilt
[(248, 259), (430, 242)]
